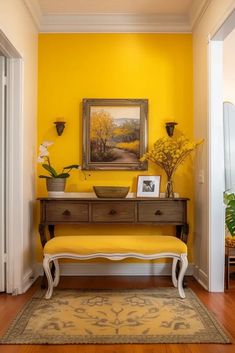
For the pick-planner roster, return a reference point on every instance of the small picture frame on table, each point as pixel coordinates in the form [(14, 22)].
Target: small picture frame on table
[(148, 186)]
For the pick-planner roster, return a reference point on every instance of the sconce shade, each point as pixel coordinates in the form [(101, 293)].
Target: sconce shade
[(170, 128), (60, 125)]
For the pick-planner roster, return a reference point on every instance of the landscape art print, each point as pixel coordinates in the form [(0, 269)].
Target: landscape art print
[(114, 133)]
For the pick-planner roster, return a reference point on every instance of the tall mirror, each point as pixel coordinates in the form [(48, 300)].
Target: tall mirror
[(229, 145)]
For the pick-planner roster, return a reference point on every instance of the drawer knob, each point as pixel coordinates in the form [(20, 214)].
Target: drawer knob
[(158, 213), (66, 213), (112, 212)]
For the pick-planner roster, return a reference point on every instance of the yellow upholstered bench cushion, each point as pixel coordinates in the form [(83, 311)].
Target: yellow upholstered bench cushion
[(115, 247), (141, 244)]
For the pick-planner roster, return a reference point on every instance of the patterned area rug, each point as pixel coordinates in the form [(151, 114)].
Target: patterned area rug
[(110, 316)]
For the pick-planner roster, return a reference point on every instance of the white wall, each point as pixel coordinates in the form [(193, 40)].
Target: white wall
[(18, 26), (229, 68), (214, 16)]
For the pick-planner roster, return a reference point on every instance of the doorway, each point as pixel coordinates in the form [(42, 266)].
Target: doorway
[(11, 174), (3, 112), (216, 156)]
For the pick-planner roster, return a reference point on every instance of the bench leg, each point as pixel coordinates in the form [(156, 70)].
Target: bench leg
[(57, 273), (47, 270), (183, 268), (173, 273)]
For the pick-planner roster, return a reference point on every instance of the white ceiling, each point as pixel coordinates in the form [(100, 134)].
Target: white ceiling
[(116, 15), (115, 6)]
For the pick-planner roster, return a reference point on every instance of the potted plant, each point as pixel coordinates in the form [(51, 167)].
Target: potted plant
[(54, 181), (229, 200)]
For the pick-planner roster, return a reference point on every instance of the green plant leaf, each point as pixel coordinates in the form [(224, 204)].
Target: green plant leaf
[(50, 169), (44, 176), (63, 175), (73, 166), (230, 217), (228, 197)]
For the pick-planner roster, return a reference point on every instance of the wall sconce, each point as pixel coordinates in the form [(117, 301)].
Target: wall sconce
[(60, 125), (170, 128)]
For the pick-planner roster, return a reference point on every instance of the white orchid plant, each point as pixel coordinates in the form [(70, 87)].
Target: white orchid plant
[(44, 159)]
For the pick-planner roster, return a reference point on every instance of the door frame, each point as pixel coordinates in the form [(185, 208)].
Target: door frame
[(2, 171), (14, 167), (216, 152)]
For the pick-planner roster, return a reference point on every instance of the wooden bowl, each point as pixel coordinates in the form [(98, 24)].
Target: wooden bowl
[(111, 191)]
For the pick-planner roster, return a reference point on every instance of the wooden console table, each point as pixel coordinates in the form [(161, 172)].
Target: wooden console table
[(157, 211)]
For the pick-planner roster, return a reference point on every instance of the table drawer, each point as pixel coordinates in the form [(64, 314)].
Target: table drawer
[(66, 212), (116, 212), (161, 211)]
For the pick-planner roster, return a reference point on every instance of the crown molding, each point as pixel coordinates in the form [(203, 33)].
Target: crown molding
[(116, 22), (197, 10), (35, 12), (110, 22)]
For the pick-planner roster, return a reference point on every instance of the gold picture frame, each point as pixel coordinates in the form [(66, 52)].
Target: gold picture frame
[(114, 134)]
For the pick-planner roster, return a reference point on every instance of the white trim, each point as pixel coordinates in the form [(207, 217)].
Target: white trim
[(216, 158), (226, 28), (28, 279), (2, 172), (216, 168), (223, 28), (14, 168), (113, 256), (197, 11), (35, 11), (7, 48), (116, 22), (201, 277), (14, 185), (110, 22), (115, 269)]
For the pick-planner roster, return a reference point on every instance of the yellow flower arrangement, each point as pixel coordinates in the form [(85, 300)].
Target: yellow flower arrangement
[(168, 153)]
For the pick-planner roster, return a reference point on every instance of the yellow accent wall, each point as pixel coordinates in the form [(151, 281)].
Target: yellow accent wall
[(76, 66)]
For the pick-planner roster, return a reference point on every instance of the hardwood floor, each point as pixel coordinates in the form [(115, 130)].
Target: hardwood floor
[(221, 304)]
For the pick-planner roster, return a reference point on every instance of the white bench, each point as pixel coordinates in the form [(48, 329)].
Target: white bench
[(115, 247)]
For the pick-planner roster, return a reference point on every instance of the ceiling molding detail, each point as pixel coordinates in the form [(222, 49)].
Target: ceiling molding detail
[(116, 22), (197, 10), (35, 12)]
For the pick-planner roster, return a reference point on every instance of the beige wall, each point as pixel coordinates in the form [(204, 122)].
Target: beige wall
[(16, 23), (214, 16)]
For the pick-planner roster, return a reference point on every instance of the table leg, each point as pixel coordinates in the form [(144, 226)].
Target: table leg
[(42, 232), (182, 232), (51, 229)]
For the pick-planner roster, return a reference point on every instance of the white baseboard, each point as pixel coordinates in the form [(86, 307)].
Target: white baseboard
[(115, 269), (28, 279), (201, 277)]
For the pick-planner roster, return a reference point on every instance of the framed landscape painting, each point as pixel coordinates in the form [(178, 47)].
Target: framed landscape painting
[(114, 134)]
